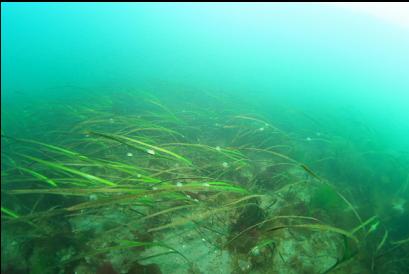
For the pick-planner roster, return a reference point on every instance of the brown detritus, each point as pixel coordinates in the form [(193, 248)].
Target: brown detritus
[(140, 269), (248, 216), (106, 268)]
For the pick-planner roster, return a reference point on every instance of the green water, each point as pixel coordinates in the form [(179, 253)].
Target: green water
[(170, 138)]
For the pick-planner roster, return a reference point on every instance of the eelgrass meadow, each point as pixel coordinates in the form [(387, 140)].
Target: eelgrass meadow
[(171, 174)]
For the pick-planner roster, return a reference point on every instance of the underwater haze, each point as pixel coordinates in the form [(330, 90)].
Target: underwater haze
[(311, 55), (203, 138)]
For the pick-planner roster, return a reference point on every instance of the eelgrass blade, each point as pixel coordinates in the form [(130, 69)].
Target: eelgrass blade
[(63, 151), (168, 210), (131, 142), (75, 191), (321, 227), (269, 220), (9, 212), (370, 220), (159, 244), (125, 244), (211, 186), (38, 176), (380, 245), (400, 242), (60, 167)]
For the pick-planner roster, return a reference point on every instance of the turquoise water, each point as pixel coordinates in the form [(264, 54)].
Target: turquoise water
[(328, 85), (310, 55)]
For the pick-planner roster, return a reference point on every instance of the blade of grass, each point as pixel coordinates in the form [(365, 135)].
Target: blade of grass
[(128, 141), (63, 151), (56, 166), (319, 227), (9, 212), (38, 176)]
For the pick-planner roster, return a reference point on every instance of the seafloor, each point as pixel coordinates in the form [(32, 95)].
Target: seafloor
[(188, 181)]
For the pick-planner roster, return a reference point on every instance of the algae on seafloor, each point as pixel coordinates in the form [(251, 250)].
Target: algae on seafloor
[(324, 197), (176, 189)]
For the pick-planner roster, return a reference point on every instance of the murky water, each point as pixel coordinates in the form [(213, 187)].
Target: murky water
[(203, 138)]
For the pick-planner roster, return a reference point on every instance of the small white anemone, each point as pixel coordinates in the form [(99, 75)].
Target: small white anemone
[(179, 184), (225, 164), (255, 251), (151, 151), (398, 204), (206, 184), (308, 139), (154, 188), (129, 154), (218, 148), (261, 129)]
